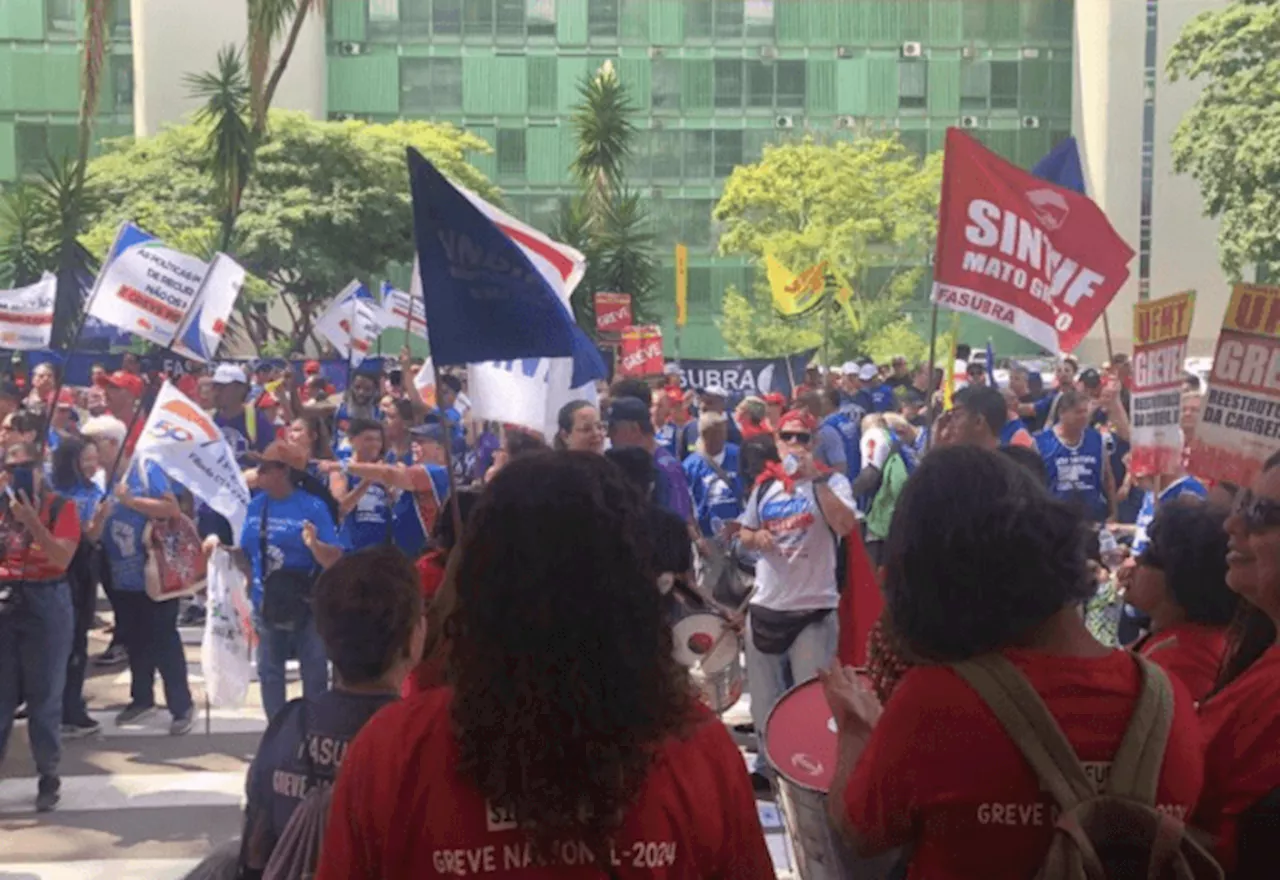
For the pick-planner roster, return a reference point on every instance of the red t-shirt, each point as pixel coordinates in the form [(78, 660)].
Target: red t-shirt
[(1191, 652), (1241, 728), (400, 810), (940, 771), (24, 559)]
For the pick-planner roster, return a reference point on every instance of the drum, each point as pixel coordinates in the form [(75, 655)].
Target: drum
[(800, 744), (708, 647)]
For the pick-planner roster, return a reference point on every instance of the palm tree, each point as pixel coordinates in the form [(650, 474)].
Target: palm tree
[(267, 20), (24, 246), (230, 145)]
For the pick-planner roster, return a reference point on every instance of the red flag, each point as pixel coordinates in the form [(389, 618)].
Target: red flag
[(860, 604), (640, 351), (1021, 252), (613, 312)]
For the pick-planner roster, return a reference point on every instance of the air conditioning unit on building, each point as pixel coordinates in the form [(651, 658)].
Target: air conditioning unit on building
[(655, 51), (912, 50), (969, 122), (349, 49), (844, 51), (1030, 52), (969, 52), (1031, 122), (847, 122), (342, 117), (768, 53), (784, 122)]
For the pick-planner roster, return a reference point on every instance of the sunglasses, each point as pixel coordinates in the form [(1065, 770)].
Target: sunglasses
[(1259, 514), (795, 436)]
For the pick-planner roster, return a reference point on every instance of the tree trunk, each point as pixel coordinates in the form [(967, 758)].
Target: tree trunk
[(269, 93)]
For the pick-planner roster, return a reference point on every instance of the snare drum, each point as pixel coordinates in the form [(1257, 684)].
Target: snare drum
[(708, 647), (800, 744)]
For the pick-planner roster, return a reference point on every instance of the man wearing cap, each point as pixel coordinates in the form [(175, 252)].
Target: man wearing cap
[(630, 425), (123, 390), (360, 402), (712, 473), (712, 399), (239, 423), (878, 392)]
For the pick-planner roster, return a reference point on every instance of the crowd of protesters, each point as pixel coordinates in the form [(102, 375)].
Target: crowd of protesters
[(505, 698)]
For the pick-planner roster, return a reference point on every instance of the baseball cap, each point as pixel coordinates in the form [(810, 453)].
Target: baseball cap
[(310, 368), (226, 374), (1091, 378), (124, 380), (714, 390), (868, 372), (67, 398), (775, 398), (628, 409), (433, 432), (850, 368)]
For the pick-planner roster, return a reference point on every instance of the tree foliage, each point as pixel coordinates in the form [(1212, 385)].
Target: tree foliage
[(860, 206), (1227, 141), (327, 202)]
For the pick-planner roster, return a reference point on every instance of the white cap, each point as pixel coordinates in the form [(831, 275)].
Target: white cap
[(715, 391), (671, 369), (850, 368), (229, 373), (866, 374)]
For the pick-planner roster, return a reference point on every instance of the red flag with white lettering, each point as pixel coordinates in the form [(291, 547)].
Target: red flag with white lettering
[(1020, 252), (640, 351)]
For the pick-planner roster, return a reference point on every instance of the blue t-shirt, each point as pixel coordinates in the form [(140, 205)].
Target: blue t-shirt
[(122, 534), (369, 521), (285, 550), (714, 502), (670, 488), (666, 435), (413, 509), (882, 398), (1186, 486), (241, 439), (1076, 472), (86, 496)]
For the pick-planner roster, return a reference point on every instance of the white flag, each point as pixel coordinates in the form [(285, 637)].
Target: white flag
[(201, 332), (183, 440), (353, 322), (404, 310), (145, 288), (26, 315)]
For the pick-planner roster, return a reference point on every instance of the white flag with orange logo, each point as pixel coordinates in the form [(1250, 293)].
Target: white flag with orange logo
[(183, 440)]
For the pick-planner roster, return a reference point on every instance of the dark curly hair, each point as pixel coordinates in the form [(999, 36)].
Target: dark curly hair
[(1188, 542), (561, 657), (978, 554)]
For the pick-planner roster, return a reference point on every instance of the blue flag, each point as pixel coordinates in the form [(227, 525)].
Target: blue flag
[(1061, 165), (484, 300)]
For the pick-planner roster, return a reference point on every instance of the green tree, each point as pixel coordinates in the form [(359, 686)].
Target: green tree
[(229, 147), (867, 207), (605, 220), (1227, 141), (327, 202)]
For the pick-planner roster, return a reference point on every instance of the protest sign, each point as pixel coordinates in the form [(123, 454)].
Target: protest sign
[(613, 312), (26, 315), (352, 323), (1160, 331), (640, 351), (206, 322), (183, 440), (146, 288), (404, 310), (1239, 424), (745, 376), (1021, 252)]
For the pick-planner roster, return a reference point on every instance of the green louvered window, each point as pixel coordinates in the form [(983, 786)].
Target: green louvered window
[(975, 85), (913, 85), (414, 17), (430, 85), (728, 151), (61, 16), (511, 152), (729, 84), (1004, 85), (602, 18), (446, 17), (666, 150), (540, 15), (791, 87), (477, 18), (699, 155), (759, 85), (665, 84)]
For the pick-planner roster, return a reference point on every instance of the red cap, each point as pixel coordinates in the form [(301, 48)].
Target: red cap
[(775, 399), (803, 416), (123, 379), (66, 397), (310, 368)]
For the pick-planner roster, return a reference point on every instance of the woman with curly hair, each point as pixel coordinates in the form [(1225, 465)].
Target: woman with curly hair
[(570, 743)]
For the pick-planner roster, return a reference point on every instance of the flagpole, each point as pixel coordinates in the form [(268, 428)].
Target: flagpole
[(447, 443), (1106, 332), (933, 354)]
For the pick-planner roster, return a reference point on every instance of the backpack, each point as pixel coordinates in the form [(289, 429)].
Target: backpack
[(1107, 832), (296, 855)]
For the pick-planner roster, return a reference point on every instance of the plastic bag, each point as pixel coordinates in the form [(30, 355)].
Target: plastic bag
[(226, 652)]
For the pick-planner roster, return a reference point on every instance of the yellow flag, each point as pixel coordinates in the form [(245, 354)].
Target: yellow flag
[(795, 295), (844, 298), (682, 285), (949, 368)]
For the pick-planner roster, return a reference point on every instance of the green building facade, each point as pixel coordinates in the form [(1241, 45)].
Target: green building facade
[(40, 57), (714, 80)]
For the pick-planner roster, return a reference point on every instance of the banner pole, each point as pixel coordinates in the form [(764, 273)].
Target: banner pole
[(454, 504), (1106, 330), (933, 354)]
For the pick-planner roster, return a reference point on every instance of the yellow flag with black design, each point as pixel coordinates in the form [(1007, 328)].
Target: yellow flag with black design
[(795, 295)]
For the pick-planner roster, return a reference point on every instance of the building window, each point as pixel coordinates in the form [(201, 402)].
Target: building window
[(666, 84), (35, 145), (1004, 85), (666, 149), (602, 18), (446, 17), (792, 84), (759, 77), (728, 152), (477, 20), (975, 85), (384, 17), (698, 17), (699, 156), (509, 16), (540, 16), (730, 18), (695, 231), (729, 84), (430, 85), (122, 15), (510, 150), (913, 85), (759, 19), (122, 81), (61, 15)]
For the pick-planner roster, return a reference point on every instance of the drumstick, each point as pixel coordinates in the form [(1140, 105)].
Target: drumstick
[(724, 634)]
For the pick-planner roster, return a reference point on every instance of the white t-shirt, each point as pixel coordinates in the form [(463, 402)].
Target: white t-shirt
[(799, 573)]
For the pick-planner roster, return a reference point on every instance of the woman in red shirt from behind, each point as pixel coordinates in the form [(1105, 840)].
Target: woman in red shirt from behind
[(1241, 719), (1181, 581), (570, 743), (981, 560)]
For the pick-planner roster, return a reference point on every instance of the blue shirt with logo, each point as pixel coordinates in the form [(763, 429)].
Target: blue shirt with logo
[(881, 398), (1075, 472), (714, 501), (285, 550), (123, 532), (412, 508), (369, 522)]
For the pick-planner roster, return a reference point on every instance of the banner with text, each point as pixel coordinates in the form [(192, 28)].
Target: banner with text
[(746, 376), (146, 288), (206, 322), (1160, 331), (1020, 252), (352, 323), (26, 315), (613, 312), (640, 351), (183, 440), (1239, 425)]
